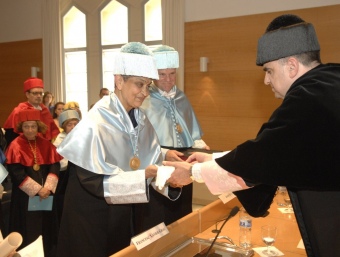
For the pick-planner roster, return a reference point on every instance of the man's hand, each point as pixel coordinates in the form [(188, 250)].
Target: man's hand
[(173, 155), (199, 157), (181, 175)]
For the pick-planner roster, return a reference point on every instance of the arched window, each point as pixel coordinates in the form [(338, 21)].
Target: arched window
[(115, 30), (91, 40), (114, 24), (75, 61), (114, 33), (153, 20)]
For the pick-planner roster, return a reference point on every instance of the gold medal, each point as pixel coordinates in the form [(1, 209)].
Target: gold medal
[(179, 128), (134, 163), (36, 167)]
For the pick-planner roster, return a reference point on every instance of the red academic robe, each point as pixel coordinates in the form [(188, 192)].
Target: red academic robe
[(45, 116), (20, 159)]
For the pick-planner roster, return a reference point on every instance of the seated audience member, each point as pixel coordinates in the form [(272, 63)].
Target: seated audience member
[(73, 106), (103, 91), (48, 101), (34, 90), (33, 165), (68, 119), (57, 110)]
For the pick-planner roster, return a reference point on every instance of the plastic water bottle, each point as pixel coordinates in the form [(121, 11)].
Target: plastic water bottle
[(245, 229)]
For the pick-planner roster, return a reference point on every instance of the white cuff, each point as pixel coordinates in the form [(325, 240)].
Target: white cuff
[(219, 154), (218, 180), (51, 182), (196, 173), (30, 186), (199, 144), (164, 151)]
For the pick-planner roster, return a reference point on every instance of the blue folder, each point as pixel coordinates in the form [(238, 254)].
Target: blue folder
[(35, 204)]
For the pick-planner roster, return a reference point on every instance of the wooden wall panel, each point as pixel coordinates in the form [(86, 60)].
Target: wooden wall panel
[(230, 100), (17, 58)]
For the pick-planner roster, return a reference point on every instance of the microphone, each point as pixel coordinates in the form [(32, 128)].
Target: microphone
[(232, 213)]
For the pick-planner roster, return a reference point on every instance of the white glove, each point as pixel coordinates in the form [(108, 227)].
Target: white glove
[(163, 174)]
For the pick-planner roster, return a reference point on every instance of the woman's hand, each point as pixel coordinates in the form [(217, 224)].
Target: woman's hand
[(44, 193), (151, 171)]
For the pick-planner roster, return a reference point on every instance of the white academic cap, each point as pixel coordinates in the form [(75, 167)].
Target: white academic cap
[(135, 59), (166, 57), (67, 115)]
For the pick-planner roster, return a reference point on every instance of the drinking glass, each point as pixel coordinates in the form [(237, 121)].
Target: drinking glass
[(281, 192), (268, 234), (288, 203)]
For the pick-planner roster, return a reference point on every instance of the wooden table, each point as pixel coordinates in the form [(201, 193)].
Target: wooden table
[(288, 234), (201, 223)]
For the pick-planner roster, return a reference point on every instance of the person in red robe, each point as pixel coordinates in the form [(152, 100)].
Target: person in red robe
[(33, 165), (34, 91)]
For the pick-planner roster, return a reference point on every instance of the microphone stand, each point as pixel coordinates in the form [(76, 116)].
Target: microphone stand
[(233, 212)]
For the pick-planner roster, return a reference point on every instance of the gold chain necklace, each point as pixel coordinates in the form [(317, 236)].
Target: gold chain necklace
[(36, 166)]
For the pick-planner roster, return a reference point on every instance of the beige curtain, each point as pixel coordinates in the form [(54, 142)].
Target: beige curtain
[(173, 32), (51, 48)]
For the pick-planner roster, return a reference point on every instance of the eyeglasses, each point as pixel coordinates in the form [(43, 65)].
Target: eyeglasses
[(37, 93)]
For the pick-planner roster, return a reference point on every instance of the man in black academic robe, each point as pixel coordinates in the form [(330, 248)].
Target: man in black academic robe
[(298, 147)]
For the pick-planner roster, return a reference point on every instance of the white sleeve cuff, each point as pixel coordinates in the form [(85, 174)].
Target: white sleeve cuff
[(220, 181), (125, 187), (30, 186), (51, 182), (199, 144), (219, 154), (164, 151), (196, 173)]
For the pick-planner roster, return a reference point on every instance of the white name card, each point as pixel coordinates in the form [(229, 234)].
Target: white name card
[(150, 236), (227, 197)]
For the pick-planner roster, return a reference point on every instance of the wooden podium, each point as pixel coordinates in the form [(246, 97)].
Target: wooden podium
[(201, 223)]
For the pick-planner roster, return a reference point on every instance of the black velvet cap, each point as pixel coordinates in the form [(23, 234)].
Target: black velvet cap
[(286, 35)]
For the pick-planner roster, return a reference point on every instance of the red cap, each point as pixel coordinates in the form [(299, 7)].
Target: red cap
[(28, 115), (33, 83)]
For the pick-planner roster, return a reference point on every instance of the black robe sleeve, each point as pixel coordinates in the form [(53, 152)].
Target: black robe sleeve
[(91, 182), (257, 199)]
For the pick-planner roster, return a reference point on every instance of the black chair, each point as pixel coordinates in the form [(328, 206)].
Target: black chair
[(318, 217)]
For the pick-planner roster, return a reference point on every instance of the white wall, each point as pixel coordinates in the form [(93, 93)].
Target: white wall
[(196, 10), (21, 19)]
